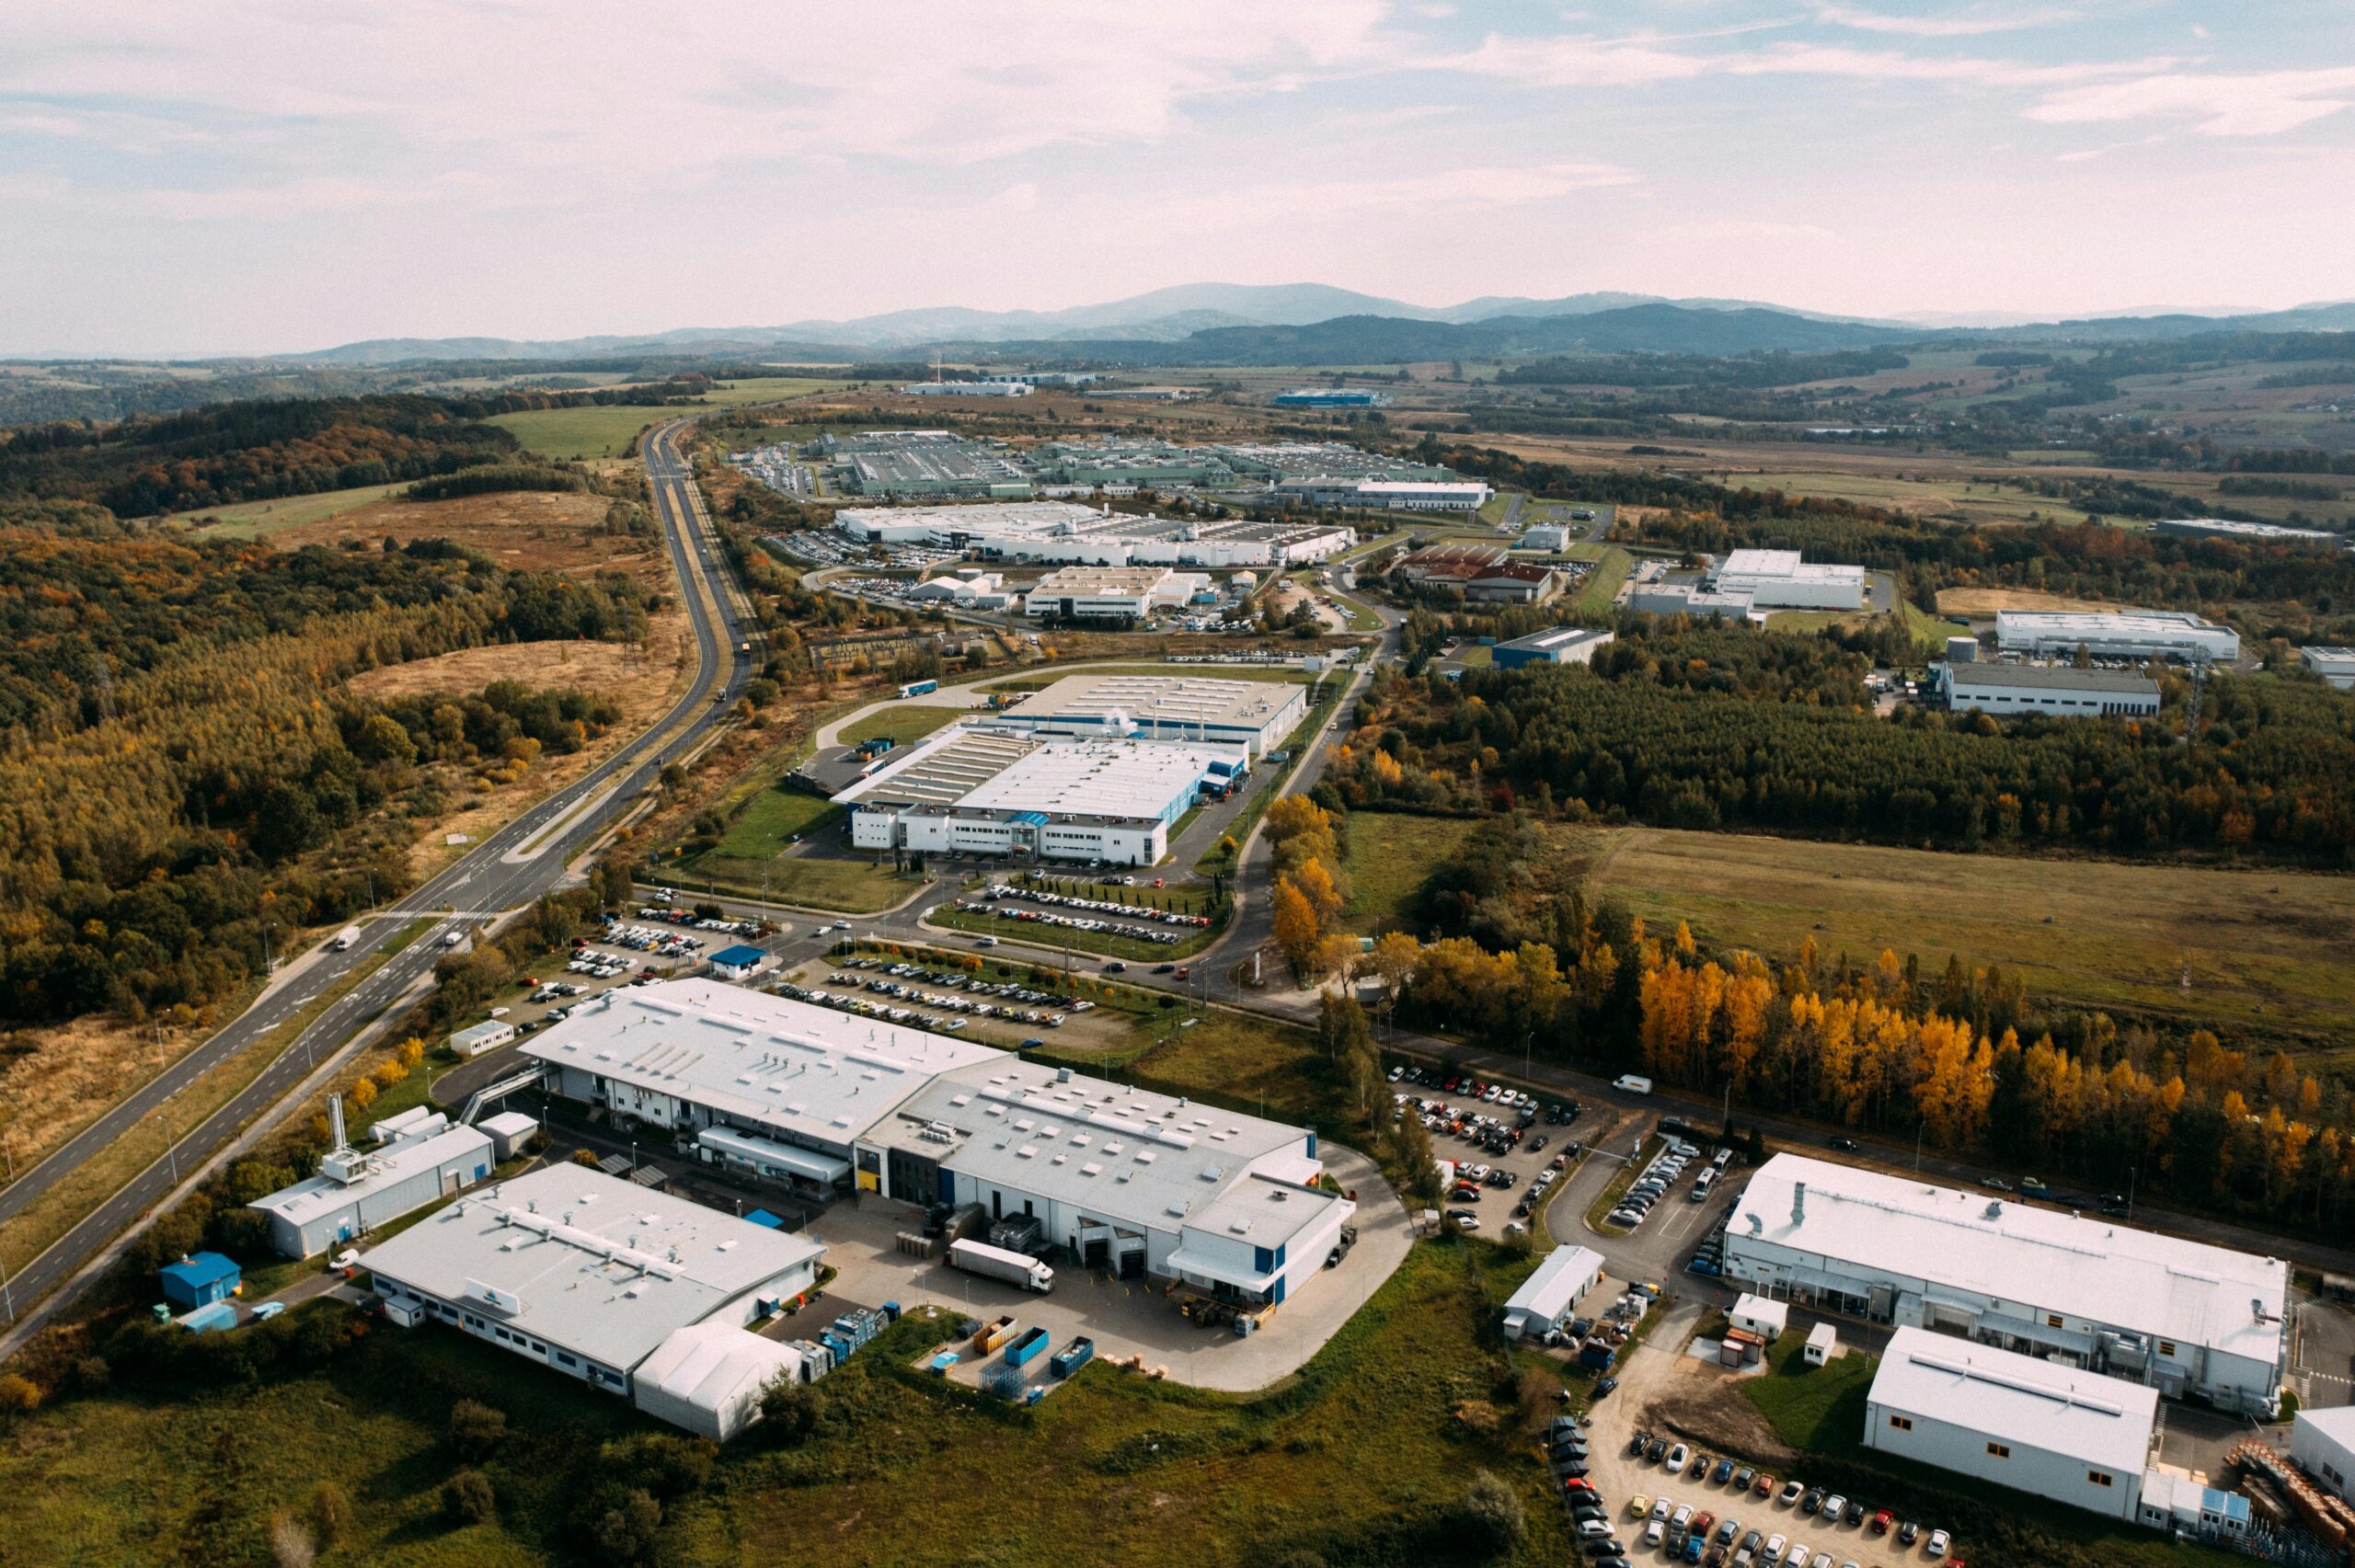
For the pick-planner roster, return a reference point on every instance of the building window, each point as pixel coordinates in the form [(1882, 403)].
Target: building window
[(1902, 1423), (2166, 1347), (2000, 1450), (2053, 1320), (2099, 1478)]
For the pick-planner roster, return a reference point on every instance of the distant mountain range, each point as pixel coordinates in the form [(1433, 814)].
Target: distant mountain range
[(1215, 324)]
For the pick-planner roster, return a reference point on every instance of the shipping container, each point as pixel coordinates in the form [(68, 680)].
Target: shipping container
[(1026, 1346)]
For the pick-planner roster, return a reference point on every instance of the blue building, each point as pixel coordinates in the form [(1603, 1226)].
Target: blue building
[(1557, 644), (741, 962), (201, 1280), (1331, 397)]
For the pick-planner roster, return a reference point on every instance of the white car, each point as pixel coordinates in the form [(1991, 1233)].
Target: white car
[(1937, 1543), (1774, 1548), (1797, 1557), (1674, 1462), (1655, 1533), (1594, 1530)]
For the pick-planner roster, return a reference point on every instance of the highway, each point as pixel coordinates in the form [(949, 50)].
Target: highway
[(520, 862)]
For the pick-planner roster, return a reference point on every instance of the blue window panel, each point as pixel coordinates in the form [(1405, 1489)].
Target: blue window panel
[(1263, 1260)]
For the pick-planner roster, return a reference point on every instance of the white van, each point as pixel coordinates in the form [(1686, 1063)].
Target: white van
[(1631, 1084)]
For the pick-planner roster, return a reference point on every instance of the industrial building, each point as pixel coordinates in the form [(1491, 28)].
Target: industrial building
[(1111, 593), (1515, 582), (1144, 1184), (982, 789), (1388, 495), (1271, 463), (1557, 644), (2052, 1431), (908, 464), (1124, 1179), (1066, 532), (418, 1158), (2056, 691), (1127, 462), (1256, 715), (487, 1036), (2336, 665), (2186, 1318), (1543, 536), (2245, 533), (2180, 1504), (2323, 1442), (693, 1057), (1008, 388), (632, 1291), (2115, 634), (1548, 1296), (1779, 579), (1662, 598), (199, 1280), (1331, 397)]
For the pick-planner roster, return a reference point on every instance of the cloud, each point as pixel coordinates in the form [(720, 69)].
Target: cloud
[(2263, 103), (1968, 22)]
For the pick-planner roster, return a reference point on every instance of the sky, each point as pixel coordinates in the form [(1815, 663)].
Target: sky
[(276, 175)]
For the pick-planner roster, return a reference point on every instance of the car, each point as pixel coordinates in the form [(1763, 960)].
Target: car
[(1636, 1443), (1655, 1533), (1754, 1541), (1163, 968), (1878, 1524), (1654, 1450), (1683, 1519), (1823, 1560), (1744, 1477), (1723, 1473), (1937, 1545), (1638, 1506), (1796, 1554), (1908, 1533), (1579, 1488), (1792, 1492), (1764, 1486), (1774, 1547), (1727, 1530), (1856, 1512), (1676, 1458), (1661, 1508), (1703, 1523), (1593, 1529), (1699, 1468), (1695, 1546), (1813, 1502), (2032, 1186), (1604, 1385)]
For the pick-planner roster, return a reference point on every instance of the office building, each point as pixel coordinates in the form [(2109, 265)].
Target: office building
[(1109, 593), (1779, 579), (1543, 536), (2115, 634), (2056, 691), (2051, 1431), (2184, 1317), (632, 1291), (1557, 644)]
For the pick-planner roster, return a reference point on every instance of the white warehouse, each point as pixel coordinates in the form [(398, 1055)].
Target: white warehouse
[(420, 1158), (2115, 634), (635, 1292), (1111, 593), (1779, 579), (1548, 1296), (2056, 691), (1257, 715), (2051, 1431), (2187, 1318), (2323, 1442)]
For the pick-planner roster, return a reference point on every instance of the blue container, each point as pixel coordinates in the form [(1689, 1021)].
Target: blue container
[(1072, 1356), (1026, 1346)]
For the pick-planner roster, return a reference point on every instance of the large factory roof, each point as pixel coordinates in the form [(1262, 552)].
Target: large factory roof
[(945, 769), (589, 1262), (1996, 1250), (1178, 700), (1134, 779), (766, 1061), (2050, 677), (2163, 625), (972, 518), (315, 1198)]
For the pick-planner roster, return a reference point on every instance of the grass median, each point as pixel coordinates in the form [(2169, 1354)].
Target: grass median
[(42, 1223), (1598, 1212)]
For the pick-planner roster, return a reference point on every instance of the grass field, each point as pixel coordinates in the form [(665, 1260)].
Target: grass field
[(597, 431), (260, 520), (2262, 948), (1389, 855), (1611, 569), (904, 722)]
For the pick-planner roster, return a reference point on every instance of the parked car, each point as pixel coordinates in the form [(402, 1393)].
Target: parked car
[(1791, 1493), (1937, 1545), (1878, 1524)]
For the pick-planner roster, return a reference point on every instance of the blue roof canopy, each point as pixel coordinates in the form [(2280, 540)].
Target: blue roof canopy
[(762, 1217), (738, 957), (203, 1268)]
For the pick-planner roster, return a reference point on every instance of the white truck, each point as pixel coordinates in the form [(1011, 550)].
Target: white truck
[(997, 1262), (1631, 1084), (344, 938)]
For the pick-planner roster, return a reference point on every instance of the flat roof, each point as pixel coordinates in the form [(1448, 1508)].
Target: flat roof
[(1555, 1288), (1182, 700), (594, 1263), (2032, 1257), (2035, 1404), (1786, 564), (1101, 580), (2320, 657), (2050, 677), (1559, 638), (943, 768), (767, 1060), (2334, 1422), (1128, 1154), (1099, 778), (973, 516), (2085, 621), (316, 1197)]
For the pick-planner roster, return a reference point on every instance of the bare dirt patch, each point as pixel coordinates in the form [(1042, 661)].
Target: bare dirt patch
[(1702, 1404), (552, 530), (1987, 600)]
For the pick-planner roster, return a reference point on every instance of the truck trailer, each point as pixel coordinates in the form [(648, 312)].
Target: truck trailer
[(997, 1262)]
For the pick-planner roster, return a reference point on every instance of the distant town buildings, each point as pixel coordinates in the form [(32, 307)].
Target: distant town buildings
[(1331, 397), (1009, 388), (2247, 533)]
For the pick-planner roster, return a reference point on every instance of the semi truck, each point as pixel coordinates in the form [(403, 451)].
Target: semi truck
[(997, 1262), (344, 938)]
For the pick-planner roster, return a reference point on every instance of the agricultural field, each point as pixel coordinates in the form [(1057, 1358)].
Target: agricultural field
[(607, 430), (260, 520), (2262, 950)]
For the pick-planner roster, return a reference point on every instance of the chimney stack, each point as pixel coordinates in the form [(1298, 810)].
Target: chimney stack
[(335, 1121)]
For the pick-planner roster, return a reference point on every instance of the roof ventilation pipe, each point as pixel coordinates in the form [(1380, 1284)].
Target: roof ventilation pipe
[(1798, 1202)]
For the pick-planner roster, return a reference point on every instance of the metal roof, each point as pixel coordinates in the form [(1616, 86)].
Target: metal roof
[(2050, 677), (767, 1061), (587, 1262), (1550, 1292), (1184, 701), (2097, 1270), (2019, 1399), (316, 1197), (200, 1269), (738, 957)]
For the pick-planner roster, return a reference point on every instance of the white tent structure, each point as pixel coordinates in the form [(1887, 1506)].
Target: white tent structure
[(708, 1378)]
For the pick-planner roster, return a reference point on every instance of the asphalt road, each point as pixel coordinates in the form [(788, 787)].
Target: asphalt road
[(510, 869)]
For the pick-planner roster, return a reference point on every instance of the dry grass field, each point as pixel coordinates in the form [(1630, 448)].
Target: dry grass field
[(1959, 602), (553, 530)]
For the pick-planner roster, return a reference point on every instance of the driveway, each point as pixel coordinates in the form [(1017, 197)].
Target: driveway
[(1125, 1317)]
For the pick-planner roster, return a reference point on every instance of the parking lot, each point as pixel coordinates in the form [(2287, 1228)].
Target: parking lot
[(1510, 1156)]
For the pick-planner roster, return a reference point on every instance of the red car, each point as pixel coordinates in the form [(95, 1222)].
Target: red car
[(1764, 1486), (1703, 1523), (1878, 1524), (1578, 1485)]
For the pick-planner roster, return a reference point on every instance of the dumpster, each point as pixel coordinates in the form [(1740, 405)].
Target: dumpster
[(1072, 1356), (1026, 1346)]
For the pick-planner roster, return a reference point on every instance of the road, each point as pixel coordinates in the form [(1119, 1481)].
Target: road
[(517, 864)]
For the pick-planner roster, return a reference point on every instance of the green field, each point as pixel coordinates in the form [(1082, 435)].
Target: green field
[(904, 722), (1389, 855), (2262, 948), (1601, 584), (607, 430), (750, 858), (1820, 1411), (774, 818), (260, 520)]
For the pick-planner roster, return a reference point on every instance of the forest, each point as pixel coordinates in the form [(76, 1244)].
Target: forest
[(1707, 729)]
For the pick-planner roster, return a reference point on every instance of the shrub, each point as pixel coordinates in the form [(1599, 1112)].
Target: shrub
[(1493, 1517), (476, 1429), (626, 1533), (789, 1412), (19, 1395), (467, 1497), (290, 1543), (330, 1515)]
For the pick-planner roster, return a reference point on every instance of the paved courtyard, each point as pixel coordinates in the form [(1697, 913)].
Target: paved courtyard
[(1125, 1317)]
